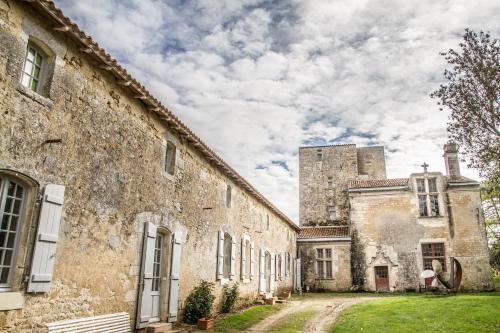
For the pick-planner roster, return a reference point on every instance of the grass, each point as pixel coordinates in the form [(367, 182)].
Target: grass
[(294, 322), (243, 320), (405, 314), (306, 296)]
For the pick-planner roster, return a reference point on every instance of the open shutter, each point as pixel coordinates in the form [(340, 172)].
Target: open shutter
[(273, 273), (298, 277), (287, 264), (276, 267), (243, 258), (146, 279), (175, 272), (232, 269), (252, 260), (220, 256), (44, 253), (262, 281)]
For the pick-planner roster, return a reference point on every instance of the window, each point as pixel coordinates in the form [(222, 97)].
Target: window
[(12, 196), (228, 196), (319, 155), (157, 263), (33, 65), (428, 197), (332, 213), (287, 264), (433, 251), (248, 258), (330, 182), (267, 223), (279, 264), (170, 158), (324, 263), (227, 255)]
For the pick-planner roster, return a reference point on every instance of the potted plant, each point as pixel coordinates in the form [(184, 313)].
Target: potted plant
[(199, 304)]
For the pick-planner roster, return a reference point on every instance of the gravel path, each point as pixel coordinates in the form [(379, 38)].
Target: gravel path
[(328, 311)]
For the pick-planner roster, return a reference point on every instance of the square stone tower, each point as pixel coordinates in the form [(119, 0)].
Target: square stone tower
[(324, 172)]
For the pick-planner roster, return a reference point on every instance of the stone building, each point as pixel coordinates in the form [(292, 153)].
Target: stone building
[(108, 202), (396, 226)]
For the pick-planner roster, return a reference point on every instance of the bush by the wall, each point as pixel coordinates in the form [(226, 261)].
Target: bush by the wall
[(199, 302), (230, 295)]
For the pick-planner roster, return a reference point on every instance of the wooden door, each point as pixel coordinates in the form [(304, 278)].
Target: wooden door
[(382, 278)]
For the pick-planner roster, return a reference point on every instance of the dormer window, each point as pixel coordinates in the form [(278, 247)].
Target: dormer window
[(428, 197), (33, 68)]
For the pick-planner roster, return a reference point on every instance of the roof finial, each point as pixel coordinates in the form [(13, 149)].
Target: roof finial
[(425, 166)]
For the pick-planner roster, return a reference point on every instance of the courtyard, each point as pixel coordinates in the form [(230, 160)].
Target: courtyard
[(353, 312)]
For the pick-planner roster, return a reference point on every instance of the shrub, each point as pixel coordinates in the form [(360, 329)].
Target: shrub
[(199, 302), (229, 297)]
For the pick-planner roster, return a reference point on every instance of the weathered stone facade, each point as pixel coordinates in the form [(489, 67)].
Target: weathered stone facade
[(388, 232), (86, 130)]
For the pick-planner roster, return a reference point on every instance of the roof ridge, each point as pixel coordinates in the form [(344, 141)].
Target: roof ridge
[(65, 25)]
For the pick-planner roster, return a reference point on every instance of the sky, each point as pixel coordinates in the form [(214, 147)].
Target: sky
[(258, 79)]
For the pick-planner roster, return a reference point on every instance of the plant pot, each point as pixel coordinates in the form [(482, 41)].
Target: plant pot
[(270, 301), (205, 323)]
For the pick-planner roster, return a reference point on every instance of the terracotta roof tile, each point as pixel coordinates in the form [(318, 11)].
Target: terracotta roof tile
[(64, 25), (323, 232), (374, 183)]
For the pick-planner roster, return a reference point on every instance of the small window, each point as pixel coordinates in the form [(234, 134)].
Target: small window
[(330, 182), (422, 205), (33, 68), (267, 223), (421, 185), (319, 155), (170, 158), (228, 196), (332, 213), (432, 184), (433, 251), (434, 205)]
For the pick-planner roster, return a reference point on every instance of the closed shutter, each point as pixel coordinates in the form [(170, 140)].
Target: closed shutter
[(273, 273), (298, 277), (220, 256), (232, 269), (146, 279), (44, 252), (262, 267), (175, 274), (252, 260), (243, 258), (276, 268)]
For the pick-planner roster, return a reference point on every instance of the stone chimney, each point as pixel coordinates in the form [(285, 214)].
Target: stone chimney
[(451, 160)]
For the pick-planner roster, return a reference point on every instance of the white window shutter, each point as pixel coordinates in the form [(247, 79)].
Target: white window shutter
[(220, 256), (298, 278), (262, 281), (252, 260), (273, 272), (175, 275), (146, 278), (287, 264), (44, 253), (232, 269), (243, 258), (276, 267)]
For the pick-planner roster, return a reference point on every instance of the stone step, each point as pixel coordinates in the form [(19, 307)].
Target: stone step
[(159, 328)]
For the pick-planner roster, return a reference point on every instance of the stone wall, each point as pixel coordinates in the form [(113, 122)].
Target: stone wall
[(339, 163), (341, 266), (89, 134), (371, 162), (391, 231)]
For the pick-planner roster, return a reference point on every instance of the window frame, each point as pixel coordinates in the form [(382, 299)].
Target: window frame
[(170, 159), (331, 209), (228, 196), (41, 68), (4, 180), (433, 256), (424, 195), (322, 261)]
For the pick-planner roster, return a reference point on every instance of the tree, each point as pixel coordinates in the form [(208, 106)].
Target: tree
[(472, 94), (490, 195)]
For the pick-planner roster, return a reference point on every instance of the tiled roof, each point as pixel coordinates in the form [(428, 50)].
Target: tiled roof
[(87, 45), (323, 232), (353, 184), (325, 146), (460, 179)]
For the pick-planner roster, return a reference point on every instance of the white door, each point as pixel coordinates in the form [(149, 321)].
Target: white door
[(175, 271)]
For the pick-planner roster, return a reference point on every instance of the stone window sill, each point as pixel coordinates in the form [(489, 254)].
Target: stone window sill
[(324, 279), (11, 301), (431, 217), (44, 101)]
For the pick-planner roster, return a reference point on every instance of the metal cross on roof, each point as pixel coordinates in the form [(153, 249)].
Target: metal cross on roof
[(425, 166)]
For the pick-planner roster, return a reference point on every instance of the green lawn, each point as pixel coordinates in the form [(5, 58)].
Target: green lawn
[(293, 323), (240, 321), (404, 314)]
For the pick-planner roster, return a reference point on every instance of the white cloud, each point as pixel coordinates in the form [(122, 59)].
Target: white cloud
[(257, 79)]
